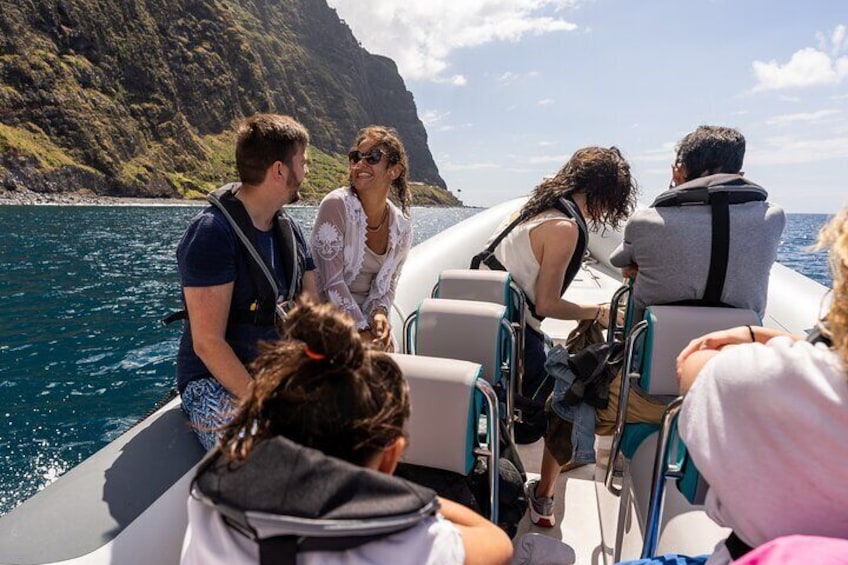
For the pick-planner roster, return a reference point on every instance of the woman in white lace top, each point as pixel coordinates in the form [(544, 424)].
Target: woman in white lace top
[(360, 239)]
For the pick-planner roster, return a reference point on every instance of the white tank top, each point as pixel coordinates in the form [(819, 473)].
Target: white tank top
[(516, 254)]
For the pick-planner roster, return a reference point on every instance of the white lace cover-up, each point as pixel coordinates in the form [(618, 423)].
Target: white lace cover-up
[(338, 247)]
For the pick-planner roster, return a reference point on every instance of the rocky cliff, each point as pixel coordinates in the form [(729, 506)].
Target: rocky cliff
[(138, 97)]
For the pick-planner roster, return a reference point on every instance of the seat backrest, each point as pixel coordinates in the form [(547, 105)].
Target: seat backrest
[(445, 409), (670, 329), (472, 284), (463, 329)]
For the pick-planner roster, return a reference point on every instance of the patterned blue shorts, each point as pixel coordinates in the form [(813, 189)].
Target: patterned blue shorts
[(208, 406)]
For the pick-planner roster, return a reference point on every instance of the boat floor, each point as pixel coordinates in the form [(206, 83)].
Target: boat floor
[(580, 498), (579, 501)]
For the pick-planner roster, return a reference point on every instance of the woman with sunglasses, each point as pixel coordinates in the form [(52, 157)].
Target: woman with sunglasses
[(360, 239)]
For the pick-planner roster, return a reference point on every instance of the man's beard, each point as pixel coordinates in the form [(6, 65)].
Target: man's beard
[(295, 192)]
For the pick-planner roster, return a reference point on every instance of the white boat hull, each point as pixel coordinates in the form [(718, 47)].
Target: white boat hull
[(107, 511)]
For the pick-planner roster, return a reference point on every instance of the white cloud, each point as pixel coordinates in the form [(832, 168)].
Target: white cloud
[(432, 117), (510, 77), (421, 34), (807, 67), (802, 117), (544, 159), (664, 153), (836, 43), (438, 120), (788, 150), (545, 102), (467, 166)]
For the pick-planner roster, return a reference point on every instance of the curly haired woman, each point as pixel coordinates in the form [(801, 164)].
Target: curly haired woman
[(543, 252)]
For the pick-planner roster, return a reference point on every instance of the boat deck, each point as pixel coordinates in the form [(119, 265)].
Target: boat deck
[(578, 492)]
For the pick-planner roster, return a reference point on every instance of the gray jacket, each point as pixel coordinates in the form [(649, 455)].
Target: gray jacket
[(671, 247)]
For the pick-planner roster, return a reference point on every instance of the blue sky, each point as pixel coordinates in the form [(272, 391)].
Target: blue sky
[(508, 89)]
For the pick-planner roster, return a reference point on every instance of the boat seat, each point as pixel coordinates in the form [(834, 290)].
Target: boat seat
[(469, 330), (671, 461), (661, 507), (489, 286), (650, 355), (448, 399), (482, 285)]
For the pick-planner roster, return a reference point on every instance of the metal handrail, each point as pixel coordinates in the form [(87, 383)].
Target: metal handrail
[(613, 329), (408, 343), (493, 449), (508, 327), (662, 471), (520, 304), (628, 378)]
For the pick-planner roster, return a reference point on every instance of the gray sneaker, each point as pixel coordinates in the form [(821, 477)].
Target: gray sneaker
[(541, 508)]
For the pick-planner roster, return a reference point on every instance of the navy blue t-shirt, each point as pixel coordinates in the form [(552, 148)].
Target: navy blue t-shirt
[(210, 254)]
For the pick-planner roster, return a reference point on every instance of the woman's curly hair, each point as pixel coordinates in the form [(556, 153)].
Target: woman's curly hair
[(321, 387), (602, 174), (834, 236), (389, 141)]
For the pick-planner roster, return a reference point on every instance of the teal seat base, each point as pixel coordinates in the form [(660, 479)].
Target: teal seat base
[(634, 435)]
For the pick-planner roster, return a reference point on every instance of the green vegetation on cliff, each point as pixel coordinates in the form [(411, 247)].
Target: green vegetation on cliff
[(138, 97)]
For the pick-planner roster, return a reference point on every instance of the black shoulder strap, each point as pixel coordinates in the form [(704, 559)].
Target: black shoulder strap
[(720, 248), (736, 547), (570, 210), (487, 256), (289, 253), (264, 279), (283, 550), (237, 216), (280, 550), (820, 334)]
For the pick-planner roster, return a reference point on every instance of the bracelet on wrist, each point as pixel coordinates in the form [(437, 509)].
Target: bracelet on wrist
[(751, 333)]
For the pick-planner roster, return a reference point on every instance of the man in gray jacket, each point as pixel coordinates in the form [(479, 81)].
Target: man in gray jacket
[(670, 250), (668, 246)]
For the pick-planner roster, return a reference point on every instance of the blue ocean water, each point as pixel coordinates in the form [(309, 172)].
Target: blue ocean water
[(82, 353)]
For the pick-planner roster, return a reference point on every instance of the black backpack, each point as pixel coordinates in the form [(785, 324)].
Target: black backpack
[(473, 490)]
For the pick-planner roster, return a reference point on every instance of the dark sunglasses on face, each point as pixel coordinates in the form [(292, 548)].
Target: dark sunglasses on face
[(372, 157)]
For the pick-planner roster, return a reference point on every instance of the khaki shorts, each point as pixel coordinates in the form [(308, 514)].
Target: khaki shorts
[(640, 410)]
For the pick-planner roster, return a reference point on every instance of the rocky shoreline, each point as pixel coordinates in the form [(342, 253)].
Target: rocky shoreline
[(84, 198)]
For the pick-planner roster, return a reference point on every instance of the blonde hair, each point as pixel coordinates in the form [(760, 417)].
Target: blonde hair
[(834, 236)]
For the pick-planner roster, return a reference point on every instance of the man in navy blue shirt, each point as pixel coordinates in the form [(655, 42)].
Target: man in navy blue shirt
[(227, 303)]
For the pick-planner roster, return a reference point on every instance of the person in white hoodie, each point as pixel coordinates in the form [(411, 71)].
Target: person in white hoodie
[(315, 444), (764, 420)]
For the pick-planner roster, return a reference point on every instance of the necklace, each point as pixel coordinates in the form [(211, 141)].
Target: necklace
[(380, 225)]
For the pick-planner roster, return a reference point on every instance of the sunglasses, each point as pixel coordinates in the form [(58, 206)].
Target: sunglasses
[(372, 157)]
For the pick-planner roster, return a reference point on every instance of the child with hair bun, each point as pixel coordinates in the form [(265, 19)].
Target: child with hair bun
[(322, 406)]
